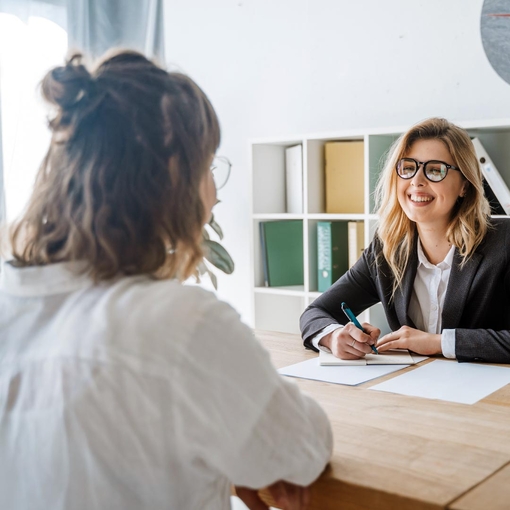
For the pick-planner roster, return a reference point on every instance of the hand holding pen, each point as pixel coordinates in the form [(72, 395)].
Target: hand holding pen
[(355, 321), (353, 340)]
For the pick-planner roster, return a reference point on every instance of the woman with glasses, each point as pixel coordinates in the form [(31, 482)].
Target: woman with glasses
[(438, 263), (121, 388)]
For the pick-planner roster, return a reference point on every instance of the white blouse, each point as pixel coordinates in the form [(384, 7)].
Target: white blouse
[(427, 299), (140, 394)]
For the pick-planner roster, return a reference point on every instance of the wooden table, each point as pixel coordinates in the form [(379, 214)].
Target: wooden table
[(398, 452)]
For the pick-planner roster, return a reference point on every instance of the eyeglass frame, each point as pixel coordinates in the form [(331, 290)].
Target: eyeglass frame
[(423, 164), (213, 167)]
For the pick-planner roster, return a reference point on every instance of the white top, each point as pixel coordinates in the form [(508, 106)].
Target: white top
[(427, 299), (140, 394), (426, 304)]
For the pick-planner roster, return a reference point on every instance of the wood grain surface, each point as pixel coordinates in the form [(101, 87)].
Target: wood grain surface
[(400, 452)]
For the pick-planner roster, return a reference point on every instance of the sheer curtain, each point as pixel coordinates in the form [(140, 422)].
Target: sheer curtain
[(34, 38)]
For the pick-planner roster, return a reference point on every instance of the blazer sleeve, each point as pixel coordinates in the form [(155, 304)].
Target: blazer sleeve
[(357, 287), (485, 345), (490, 345), (486, 336)]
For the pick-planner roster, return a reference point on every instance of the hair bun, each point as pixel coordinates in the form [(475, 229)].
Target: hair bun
[(66, 85)]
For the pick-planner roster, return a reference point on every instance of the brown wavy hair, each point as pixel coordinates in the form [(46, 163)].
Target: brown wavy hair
[(470, 217), (119, 185)]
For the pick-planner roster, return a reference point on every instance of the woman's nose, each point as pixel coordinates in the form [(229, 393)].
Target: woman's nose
[(419, 178)]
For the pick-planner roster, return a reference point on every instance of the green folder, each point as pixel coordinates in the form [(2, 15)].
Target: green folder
[(332, 252), (282, 252)]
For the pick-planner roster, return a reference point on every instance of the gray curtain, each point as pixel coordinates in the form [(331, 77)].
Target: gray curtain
[(94, 26)]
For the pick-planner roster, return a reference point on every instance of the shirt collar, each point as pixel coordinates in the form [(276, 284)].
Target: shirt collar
[(445, 264)]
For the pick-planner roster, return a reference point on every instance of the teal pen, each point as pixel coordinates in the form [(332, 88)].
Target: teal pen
[(355, 321)]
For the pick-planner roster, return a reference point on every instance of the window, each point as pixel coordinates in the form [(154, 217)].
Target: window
[(27, 50)]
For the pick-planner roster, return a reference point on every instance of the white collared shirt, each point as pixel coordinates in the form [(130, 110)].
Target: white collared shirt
[(137, 394), (427, 301)]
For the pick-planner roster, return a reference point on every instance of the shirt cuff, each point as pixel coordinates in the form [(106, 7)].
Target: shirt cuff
[(326, 331), (448, 343)]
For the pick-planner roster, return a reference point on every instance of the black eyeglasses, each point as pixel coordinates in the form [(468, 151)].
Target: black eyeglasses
[(220, 168), (433, 170)]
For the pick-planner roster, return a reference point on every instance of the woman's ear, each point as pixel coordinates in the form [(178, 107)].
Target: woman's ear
[(464, 189)]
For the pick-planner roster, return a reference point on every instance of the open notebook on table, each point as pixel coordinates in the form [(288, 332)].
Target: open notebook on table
[(393, 357)]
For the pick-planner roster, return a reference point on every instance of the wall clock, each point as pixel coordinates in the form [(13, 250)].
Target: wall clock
[(495, 30)]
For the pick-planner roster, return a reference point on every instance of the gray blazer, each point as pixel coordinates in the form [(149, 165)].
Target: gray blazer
[(477, 302)]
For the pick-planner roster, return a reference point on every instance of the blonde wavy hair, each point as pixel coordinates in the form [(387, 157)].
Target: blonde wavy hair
[(119, 187), (470, 217)]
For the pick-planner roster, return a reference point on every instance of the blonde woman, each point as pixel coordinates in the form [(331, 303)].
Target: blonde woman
[(120, 387), (438, 263)]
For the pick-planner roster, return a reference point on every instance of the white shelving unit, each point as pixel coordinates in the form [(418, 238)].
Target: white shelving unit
[(279, 308)]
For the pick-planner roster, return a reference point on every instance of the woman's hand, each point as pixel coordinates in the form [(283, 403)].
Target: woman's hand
[(412, 339), (286, 495), (350, 342)]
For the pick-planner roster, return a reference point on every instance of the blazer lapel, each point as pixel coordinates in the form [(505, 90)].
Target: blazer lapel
[(403, 298), (458, 289)]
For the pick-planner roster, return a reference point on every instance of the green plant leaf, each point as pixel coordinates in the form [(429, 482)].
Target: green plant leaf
[(216, 227), (218, 256), (214, 253), (203, 270), (213, 278)]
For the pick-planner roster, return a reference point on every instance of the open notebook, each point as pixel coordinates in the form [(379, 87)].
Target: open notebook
[(393, 357)]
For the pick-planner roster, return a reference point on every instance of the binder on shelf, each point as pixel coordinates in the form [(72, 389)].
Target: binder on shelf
[(282, 252), (492, 176), (356, 240), (332, 252), (344, 173), (294, 179)]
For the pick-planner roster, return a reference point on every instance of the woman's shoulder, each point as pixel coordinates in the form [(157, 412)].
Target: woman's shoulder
[(501, 222), (201, 325), (171, 315), (498, 227), (166, 298), (374, 249), (178, 305), (497, 238)]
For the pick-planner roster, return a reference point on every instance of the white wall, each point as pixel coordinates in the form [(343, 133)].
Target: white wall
[(283, 67)]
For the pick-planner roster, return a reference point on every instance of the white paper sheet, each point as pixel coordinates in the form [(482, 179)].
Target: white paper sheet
[(352, 375), (465, 383), (392, 357)]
